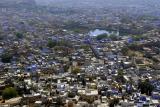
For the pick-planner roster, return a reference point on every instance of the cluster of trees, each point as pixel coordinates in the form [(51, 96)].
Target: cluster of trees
[(135, 47), (6, 57), (145, 87), (105, 36), (114, 102), (19, 35), (131, 50), (131, 30), (76, 27), (90, 100), (76, 70), (125, 50), (85, 47), (59, 102), (120, 76), (9, 93), (66, 67), (52, 43), (138, 37), (71, 95), (128, 52), (102, 36)]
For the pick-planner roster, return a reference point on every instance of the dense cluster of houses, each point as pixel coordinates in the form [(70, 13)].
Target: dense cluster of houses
[(87, 73), (59, 68)]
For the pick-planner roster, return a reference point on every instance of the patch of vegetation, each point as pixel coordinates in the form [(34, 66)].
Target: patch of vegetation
[(76, 70), (76, 27), (66, 67), (63, 43), (85, 47), (105, 36), (120, 76), (138, 37), (145, 87), (1, 37), (71, 95), (51, 43), (135, 47), (6, 57), (113, 102), (102, 36), (76, 30), (19, 35), (131, 51), (113, 37), (9, 93)]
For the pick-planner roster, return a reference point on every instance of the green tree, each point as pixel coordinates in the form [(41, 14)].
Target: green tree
[(76, 70), (120, 76), (6, 57), (51, 43), (135, 47), (125, 50), (145, 87), (113, 102), (9, 93), (66, 67), (59, 101), (71, 95), (120, 72), (113, 37), (90, 100), (138, 37), (102, 36), (64, 43), (85, 47), (19, 35)]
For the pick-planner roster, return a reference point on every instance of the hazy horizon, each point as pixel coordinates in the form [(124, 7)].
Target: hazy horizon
[(99, 2)]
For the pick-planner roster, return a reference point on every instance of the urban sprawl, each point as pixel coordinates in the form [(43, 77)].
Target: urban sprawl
[(64, 57)]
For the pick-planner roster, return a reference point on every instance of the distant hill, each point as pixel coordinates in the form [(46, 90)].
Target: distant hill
[(151, 6), (17, 3)]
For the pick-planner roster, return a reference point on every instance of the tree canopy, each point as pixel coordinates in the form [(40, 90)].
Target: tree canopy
[(138, 37), (76, 70), (19, 35), (145, 87), (9, 93), (71, 95), (6, 57), (102, 36), (51, 43)]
